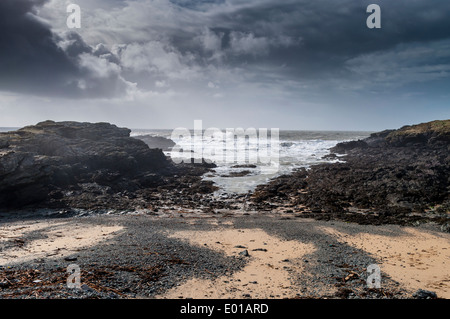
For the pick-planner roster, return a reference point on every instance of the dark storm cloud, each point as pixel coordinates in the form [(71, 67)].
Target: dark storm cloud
[(28, 50), (299, 40), (155, 41), (197, 4), (325, 34), (34, 60)]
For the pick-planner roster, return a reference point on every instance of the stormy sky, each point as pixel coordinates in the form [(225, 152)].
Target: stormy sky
[(289, 64)]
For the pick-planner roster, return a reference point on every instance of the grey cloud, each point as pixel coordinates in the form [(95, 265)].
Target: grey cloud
[(157, 59), (29, 50), (313, 39), (247, 43), (291, 42), (403, 65), (35, 60), (328, 33), (73, 44)]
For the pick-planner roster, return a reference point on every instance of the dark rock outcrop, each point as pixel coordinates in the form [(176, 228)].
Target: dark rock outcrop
[(83, 164), (431, 135), (389, 175), (157, 142)]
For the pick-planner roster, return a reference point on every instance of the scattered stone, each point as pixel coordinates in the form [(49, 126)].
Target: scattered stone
[(445, 228), (244, 166), (424, 294), (330, 156), (344, 293), (244, 253), (71, 258), (4, 284), (86, 288), (237, 174)]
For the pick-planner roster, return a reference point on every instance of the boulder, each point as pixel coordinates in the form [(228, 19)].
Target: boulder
[(393, 173), (346, 146), (42, 159), (157, 142)]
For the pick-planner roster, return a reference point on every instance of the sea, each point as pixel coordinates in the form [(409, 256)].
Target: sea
[(258, 158), (8, 129), (254, 159)]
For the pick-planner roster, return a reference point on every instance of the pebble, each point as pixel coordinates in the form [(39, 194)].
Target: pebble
[(4, 284), (424, 294), (244, 253)]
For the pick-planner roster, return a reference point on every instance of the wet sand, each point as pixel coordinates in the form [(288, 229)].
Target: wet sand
[(55, 239), (189, 257), (417, 259)]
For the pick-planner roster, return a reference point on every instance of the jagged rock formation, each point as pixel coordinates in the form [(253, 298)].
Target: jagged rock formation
[(431, 135), (157, 142), (75, 163), (391, 173)]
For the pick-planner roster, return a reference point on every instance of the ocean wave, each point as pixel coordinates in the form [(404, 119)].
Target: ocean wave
[(296, 149)]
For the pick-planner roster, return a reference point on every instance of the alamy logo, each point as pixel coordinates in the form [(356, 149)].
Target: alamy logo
[(233, 146), (74, 19), (74, 279), (374, 278), (374, 20)]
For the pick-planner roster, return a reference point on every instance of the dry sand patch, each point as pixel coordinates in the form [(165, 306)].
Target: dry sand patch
[(57, 239), (416, 258), (264, 276)]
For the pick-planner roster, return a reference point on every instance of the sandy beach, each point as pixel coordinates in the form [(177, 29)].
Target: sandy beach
[(250, 256), (56, 239)]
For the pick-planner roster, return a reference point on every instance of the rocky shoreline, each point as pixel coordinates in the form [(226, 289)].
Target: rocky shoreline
[(140, 226), (395, 176), (90, 166), (392, 177)]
